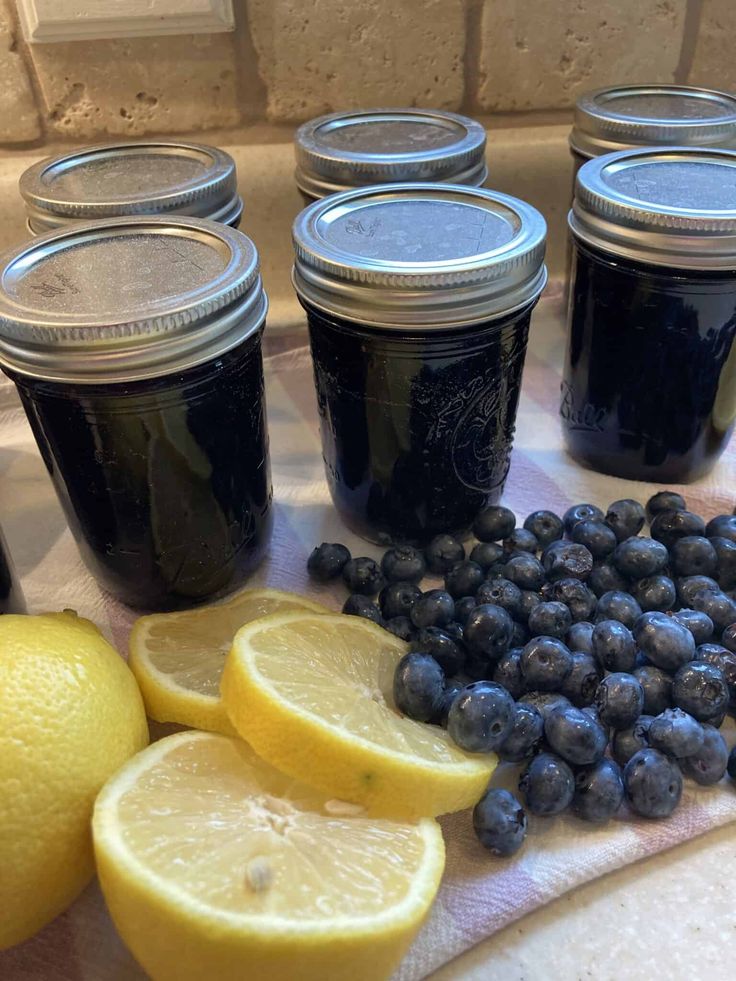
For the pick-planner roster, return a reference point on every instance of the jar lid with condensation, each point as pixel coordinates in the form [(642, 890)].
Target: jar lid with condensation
[(623, 117), (419, 256), (384, 146), (148, 178), (127, 298), (672, 207)]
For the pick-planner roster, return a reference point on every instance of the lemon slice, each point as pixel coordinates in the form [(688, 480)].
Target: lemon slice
[(216, 866), (313, 696), (177, 658)]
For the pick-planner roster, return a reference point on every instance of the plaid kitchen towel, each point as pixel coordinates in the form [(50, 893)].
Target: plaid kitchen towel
[(479, 894)]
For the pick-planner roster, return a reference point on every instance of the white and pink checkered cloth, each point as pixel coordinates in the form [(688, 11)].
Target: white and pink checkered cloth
[(479, 894)]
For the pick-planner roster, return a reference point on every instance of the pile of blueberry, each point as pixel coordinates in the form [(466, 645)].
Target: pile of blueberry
[(602, 660)]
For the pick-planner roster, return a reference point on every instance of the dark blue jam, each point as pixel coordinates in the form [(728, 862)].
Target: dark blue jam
[(11, 597), (649, 389), (417, 428), (165, 483)]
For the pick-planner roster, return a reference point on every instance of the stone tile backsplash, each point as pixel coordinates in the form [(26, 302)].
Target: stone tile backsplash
[(291, 59)]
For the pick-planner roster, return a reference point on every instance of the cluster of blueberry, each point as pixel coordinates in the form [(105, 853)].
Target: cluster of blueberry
[(607, 664)]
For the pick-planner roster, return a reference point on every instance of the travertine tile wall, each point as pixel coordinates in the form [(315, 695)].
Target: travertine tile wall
[(291, 59)]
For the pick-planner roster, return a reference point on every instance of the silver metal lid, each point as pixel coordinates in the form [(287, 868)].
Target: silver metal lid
[(419, 256), (385, 146), (127, 298), (673, 206), (115, 179), (623, 117)]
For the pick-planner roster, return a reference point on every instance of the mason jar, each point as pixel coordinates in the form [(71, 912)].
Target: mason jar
[(135, 346), (113, 180), (649, 388), (11, 595), (384, 146), (418, 299)]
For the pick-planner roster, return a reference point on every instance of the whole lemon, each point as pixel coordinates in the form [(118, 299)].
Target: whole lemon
[(70, 716)]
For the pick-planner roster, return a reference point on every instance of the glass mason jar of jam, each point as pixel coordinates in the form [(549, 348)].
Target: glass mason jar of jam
[(649, 388), (418, 299), (384, 146), (11, 597), (135, 346), (113, 180)]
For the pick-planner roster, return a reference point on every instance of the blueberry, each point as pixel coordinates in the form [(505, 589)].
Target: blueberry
[(397, 598), (486, 554), (701, 690), (419, 684), (548, 784), (668, 526), (618, 606), (625, 518), (519, 635), (494, 524), (688, 587), (526, 571), (619, 700), (463, 579), (452, 690), (699, 624), (657, 687), (567, 560), (731, 765), (693, 555), (577, 597), (627, 742), (575, 737), (434, 608), (403, 563), (664, 641), (723, 659), (442, 553), (400, 627), (546, 701), (613, 646), (357, 605), (725, 573), (362, 575), (520, 540), (550, 619), (499, 821), (676, 733), (580, 512), (664, 501), (488, 631), (637, 558), (718, 606), (722, 526), (597, 537), (500, 592), (545, 663), (439, 645), (581, 684), (708, 764), (526, 734), (580, 637), (478, 667), (599, 792), (507, 672), (653, 784), (481, 717), (546, 527), (463, 609), (456, 631), (606, 578), (327, 561), (654, 593), (527, 601)]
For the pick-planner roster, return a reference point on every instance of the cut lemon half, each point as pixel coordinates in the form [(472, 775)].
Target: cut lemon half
[(216, 866), (177, 658), (313, 695)]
